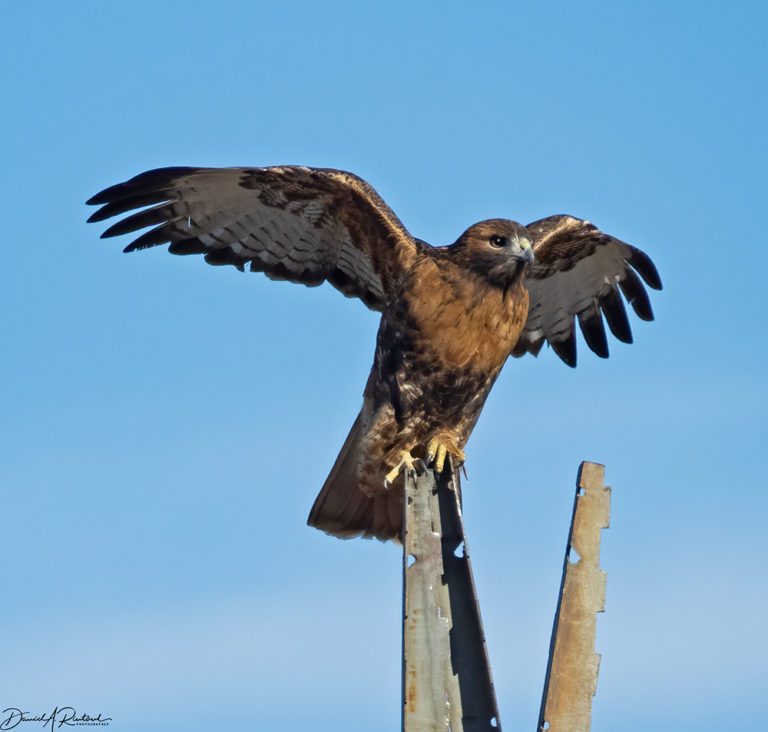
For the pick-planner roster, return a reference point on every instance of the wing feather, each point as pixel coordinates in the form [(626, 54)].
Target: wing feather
[(580, 271), (637, 297), (306, 225), (616, 315), (593, 330)]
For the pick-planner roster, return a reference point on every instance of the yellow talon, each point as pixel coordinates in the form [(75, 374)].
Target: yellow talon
[(438, 451), (406, 461)]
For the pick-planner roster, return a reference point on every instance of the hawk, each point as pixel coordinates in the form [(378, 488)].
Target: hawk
[(451, 315)]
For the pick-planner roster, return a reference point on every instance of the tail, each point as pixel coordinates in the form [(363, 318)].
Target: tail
[(343, 509)]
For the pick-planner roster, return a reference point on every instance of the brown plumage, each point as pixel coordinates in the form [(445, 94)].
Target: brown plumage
[(450, 315)]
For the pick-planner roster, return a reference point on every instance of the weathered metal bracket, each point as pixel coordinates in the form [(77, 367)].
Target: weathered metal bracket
[(571, 679), (447, 684)]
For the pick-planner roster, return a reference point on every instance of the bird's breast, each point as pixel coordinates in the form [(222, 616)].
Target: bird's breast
[(463, 320)]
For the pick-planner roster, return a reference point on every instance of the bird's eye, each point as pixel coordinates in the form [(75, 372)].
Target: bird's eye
[(499, 241)]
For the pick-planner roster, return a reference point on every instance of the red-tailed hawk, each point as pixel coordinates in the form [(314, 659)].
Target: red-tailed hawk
[(450, 315)]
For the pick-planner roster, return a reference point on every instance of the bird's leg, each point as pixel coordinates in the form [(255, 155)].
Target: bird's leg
[(439, 448), (407, 461)]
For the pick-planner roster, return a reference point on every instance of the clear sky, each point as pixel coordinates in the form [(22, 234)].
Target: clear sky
[(165, 425)]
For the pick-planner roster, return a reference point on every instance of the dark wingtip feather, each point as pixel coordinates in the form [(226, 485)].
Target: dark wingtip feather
[(616, 316), (636, 295), (158, 235), (150, 182), (524, 346), (107, 195), (566, 348), (225, 256), (535, 347), (187, 246), (647, 269), (140, 220), (109, 210), (142, 184), (593, 330), (519, 349)]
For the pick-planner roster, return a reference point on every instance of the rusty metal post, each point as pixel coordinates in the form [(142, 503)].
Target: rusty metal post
[(571, 679), (447, 683)]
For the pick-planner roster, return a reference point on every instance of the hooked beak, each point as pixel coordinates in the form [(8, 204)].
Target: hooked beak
[(523, 250)]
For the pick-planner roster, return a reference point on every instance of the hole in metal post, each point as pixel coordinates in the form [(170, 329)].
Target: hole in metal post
[(459, 551), (411, 560), (574, 556)]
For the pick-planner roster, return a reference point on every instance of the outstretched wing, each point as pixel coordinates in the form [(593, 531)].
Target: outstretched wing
[(579, 272), (305, 225)]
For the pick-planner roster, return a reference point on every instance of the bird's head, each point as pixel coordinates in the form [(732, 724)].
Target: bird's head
[(500, 250)]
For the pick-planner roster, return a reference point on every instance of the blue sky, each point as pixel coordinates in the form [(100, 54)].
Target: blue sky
[(166, 425)]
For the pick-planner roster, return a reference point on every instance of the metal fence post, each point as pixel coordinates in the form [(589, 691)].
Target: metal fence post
[(571, 678), (447, 683)]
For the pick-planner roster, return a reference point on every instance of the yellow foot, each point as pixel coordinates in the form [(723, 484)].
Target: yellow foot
[(438, 450), (407, 461)]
